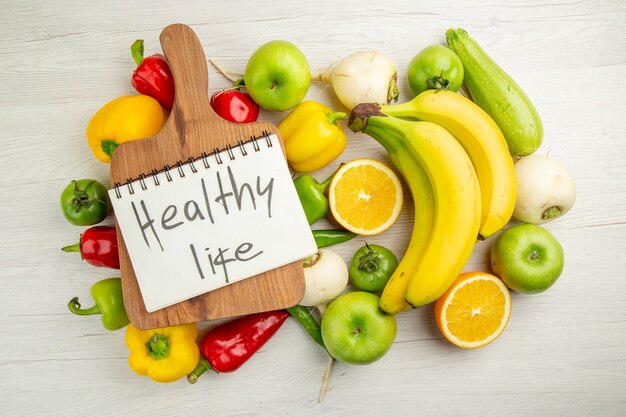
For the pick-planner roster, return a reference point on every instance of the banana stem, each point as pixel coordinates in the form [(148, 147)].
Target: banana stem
[(366, 116), (361, 114)]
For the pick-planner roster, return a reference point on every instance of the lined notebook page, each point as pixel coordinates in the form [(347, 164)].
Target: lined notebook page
[(192, 229)]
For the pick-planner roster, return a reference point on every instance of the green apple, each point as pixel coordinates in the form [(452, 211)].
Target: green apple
[(277, 76), (527, 258), (355, 331)]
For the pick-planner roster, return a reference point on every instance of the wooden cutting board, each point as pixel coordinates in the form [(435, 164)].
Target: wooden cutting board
[(193, 128)]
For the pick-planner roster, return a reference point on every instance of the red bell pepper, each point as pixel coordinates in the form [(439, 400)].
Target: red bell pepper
[(228, 346), (153, 76), (235, 106), (98, 246)]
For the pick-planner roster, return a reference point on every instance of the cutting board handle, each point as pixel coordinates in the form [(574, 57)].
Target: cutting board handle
[(187, 61)]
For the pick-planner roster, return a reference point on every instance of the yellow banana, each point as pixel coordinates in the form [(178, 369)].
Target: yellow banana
[(457, 211), (482, 140), (392, 299), (456, 192)]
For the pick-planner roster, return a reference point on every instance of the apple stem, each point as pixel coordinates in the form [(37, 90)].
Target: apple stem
[(226, 74), (329, 368)]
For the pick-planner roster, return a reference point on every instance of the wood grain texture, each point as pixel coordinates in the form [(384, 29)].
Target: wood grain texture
[(562, 353), (193, 129)]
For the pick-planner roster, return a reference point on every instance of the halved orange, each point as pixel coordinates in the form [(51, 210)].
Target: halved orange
[(474, 311), (365, 196)]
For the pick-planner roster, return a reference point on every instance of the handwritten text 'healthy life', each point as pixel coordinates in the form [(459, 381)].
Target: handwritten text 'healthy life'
[(231, 197)]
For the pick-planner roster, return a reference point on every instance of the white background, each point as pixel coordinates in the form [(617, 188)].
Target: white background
[(563, 351)]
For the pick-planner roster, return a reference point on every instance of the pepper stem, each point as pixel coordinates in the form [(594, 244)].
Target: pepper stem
[(136, 49), (109, 146), (74, 307), (324, 185), (202, 367), (71, 248), (158, 346), (239, 83), (334, 117)]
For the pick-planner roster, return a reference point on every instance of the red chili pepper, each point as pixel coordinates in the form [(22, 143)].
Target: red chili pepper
[(235, 106), (153, 76), (98, 246), (228, 346)]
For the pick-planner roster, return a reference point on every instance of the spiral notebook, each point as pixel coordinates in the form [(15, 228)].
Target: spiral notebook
[(211, 221)]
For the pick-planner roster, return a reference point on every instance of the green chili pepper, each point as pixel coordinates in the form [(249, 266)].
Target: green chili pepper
[(109, 302), (306, 319), (312, 196), (331, 237)]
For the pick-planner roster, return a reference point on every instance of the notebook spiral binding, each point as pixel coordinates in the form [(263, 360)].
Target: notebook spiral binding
[(217, 154)]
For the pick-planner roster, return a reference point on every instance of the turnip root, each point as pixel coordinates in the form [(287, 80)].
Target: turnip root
[(363, 77), (545, 190), (325, 277)]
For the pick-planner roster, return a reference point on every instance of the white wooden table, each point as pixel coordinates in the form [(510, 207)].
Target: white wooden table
[(563, 352)]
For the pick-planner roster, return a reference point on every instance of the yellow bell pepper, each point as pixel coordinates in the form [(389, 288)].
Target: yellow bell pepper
[(164, 354), (312, 135), (122, 120)]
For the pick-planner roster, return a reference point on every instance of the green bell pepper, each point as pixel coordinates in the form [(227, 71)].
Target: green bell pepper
[(312, 196), (109, 303)]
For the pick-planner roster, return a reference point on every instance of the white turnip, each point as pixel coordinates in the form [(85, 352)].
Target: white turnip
[(325, 276), (363, 77), (545, 190)]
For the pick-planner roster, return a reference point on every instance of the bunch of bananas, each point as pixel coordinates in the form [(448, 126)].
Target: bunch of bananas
[(457, 165)]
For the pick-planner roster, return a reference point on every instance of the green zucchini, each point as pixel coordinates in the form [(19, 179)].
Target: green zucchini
[(498, 94)]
